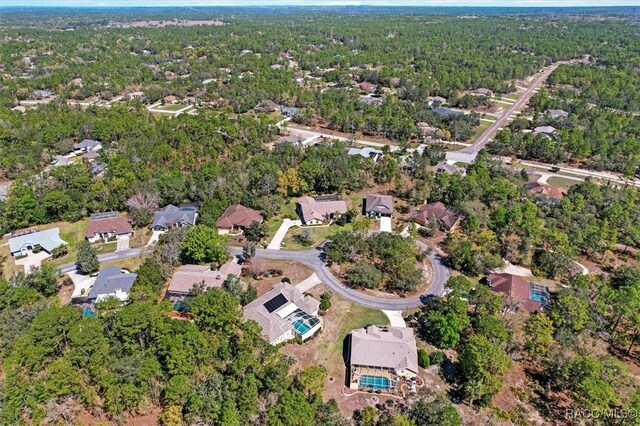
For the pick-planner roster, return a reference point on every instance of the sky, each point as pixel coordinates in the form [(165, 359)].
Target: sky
[(480, 3)]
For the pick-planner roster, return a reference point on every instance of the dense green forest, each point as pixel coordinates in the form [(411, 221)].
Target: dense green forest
[(133, 359)]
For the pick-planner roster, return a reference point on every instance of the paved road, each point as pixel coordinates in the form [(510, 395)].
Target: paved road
[(312, 259), (104, 258), (516, 107)]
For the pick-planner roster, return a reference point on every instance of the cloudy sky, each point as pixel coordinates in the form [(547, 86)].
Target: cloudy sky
[(119, 3)]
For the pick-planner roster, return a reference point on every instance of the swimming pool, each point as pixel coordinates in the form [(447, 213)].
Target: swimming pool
[(301, 327), (539, 293), (375, 382), (87, 312)]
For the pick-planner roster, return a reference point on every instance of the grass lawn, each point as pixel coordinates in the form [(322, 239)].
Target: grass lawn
[(561, 183), (287, 211), (141, 238), (317, 233), (130, 264)]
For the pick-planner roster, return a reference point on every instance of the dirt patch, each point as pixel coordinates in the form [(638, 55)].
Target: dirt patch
[(295, 271), (148, 419)]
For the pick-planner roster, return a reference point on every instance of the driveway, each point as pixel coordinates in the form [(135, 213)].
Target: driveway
[(309, 283), (33, 260), (155, 236), (395, 318), (385, 224), (276, 242), (122, 244), (81, 283)]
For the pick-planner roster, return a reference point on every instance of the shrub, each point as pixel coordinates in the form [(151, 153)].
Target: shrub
[(286, 280), (423, 358), (437, 358), (325, 304)]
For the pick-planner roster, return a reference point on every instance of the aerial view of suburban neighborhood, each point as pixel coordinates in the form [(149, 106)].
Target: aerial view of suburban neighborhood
[(309, 213)]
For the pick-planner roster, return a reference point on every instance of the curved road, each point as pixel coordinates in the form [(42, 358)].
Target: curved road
[(313, 259)]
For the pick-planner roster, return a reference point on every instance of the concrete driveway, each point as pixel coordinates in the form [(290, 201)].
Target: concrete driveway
[(395, 318), (276, 242), (122, 244), (385, 224), (155, 236), (33, 260), (81, 283)]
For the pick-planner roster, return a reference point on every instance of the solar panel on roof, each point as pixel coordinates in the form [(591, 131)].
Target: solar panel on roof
[(275, 303), (103, 215)]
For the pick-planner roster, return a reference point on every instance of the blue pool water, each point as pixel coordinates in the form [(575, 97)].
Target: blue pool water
[(539, 296), (301, 327), (87, 312), (374, 382)]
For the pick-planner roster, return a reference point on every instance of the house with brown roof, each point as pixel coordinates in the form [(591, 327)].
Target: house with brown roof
[(108, 225), (320, 210), (519, 294), (439, 212), (482, 91), (381, 357), (377, 205), (284, 313), (545, 189), (171, 99), (188, 276), (236, 218)]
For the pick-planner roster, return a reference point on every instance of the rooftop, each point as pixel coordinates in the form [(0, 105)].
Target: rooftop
[(187, 276), (48, 239), (238, 215), (389, 347), (311, 208), (171, 215), (111, 280)]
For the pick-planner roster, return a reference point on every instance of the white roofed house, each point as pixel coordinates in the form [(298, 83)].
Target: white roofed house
[(320, 210), (558, 114), (87, 145), (366, 152), (284, 313), (380, 358), (22, 242)]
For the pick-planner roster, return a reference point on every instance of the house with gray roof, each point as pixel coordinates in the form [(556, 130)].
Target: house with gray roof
[(366, 152), (111, 282), (284, 313), (450, 169), (376, 205), (381, 358), (544, 130), (174, 217), (558, 114), (87, 145), (445, 112), (47, 240)]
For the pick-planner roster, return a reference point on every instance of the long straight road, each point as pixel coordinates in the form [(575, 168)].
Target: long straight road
[(516, 107)]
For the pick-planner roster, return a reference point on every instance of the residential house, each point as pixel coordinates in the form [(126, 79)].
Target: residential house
[(289, 111), (87, 145), (518, 293), (97, 169), (558, 114), (381, 358), (450, 169), (90, 156), (170, 99), (366, 87), (22, 242), (284, 313), (293, 139), (42, 94), (436, 100), (544, 130), (320, 210), (174, 217), (377, 205), (545, 189), (482, 91), (366, 152), (236, 218), (188, 276), (111, 282), (104, 226), (445, 112), (135, 95), (371, 99), (439, 212)]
